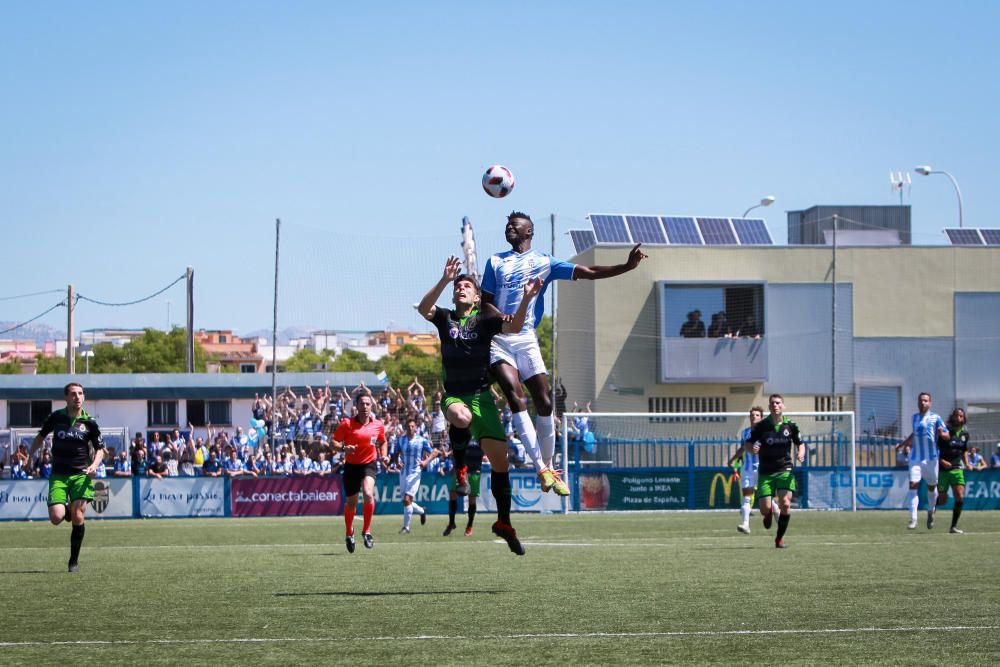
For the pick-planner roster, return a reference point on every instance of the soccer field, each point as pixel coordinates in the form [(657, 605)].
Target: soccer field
[(592, 589)]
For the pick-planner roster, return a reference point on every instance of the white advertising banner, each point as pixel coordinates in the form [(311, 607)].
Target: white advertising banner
[(526, 495), (112, 498), (24, 499), (182, 496), (877, 489)]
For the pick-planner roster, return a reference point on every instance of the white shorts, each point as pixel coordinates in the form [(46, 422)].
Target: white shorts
[(521, 351), (409, 484), (748, 479), (926, 470)]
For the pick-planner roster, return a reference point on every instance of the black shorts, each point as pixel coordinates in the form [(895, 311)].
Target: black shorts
[(354, 475)]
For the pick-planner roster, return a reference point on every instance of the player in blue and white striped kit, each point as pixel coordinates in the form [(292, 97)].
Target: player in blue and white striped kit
[(922, 450), (411, 453), (748, 470), (516, 357)]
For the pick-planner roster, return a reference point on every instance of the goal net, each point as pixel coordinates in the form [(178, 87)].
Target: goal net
[(656, 461)]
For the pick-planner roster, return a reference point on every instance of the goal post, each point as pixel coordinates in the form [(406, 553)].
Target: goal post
[(656, 461)]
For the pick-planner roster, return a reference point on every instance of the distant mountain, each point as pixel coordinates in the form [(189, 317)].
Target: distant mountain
[(36, 332)]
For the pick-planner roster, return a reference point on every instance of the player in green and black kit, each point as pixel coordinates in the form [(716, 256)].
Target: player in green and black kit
[(77, 451), (465, 334), (953, 456), (772, 439)]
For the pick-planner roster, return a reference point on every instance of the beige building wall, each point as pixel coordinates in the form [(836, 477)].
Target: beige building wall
[(608, 330)]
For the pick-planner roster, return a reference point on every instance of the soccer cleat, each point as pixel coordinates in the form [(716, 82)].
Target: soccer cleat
[(404, 531), (507, 532), (767, 519), (744, 528), (468, 531), (930, 519), (552, 481), (423, 518), (368, 540), (955, 530), (447, 531), (73, 567), (912, 524), (780, 544), (462, 481), (349, 541)]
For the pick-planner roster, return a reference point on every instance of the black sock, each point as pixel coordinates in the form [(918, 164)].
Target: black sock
[(75, 542), (452, 510), (782, 525), (459, 438), (501, 492), (955, 513), (472, 511)]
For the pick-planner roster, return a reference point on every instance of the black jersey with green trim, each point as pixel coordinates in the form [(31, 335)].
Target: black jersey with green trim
[(73, 441), (953, 450), (465, 349), (776, 442)]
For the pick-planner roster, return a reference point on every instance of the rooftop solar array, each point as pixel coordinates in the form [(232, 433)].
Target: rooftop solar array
[(964, 236), (991, 236), (671, 230), (582, 239)]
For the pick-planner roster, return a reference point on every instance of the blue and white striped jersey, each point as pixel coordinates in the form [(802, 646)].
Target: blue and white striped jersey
[(751, 461), (411, 452), (506, 274), (924, 446)]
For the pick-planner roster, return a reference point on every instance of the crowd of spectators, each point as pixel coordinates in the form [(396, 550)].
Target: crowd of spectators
[(719, 327)]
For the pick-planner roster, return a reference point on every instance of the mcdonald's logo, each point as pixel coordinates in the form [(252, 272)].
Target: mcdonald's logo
[(727, 488)]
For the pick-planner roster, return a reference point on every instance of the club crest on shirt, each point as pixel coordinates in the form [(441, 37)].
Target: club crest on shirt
[(786, 432)]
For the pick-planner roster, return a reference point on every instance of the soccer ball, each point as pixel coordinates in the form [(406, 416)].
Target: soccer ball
[(498, 181)]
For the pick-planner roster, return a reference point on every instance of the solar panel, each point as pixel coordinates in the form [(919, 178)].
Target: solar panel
[(682, 231), (964, 236), (610, 228), (645, 229), (991, 236), (716, 231), (582, 239), (752, 232)]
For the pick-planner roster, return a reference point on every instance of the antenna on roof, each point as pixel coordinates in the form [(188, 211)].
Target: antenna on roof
[(899, 180), (469, 249)]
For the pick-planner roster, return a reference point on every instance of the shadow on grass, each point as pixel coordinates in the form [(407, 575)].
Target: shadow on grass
[(365, 594), (27, 571)]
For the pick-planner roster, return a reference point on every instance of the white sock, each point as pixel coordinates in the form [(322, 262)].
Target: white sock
[(417, 508), (546, 428), (913, 501), (932, 500), (407, 515), (745, 510), (526, 432)]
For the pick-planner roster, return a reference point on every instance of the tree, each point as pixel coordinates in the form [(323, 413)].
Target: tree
[(353, 361), (306, 360), (410, 362), (153, 352)]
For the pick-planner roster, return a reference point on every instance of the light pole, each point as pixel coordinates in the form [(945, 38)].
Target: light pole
[(766, 201), (926, 170)]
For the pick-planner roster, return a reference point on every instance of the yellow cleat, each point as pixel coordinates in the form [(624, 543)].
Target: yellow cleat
[(552, 481)]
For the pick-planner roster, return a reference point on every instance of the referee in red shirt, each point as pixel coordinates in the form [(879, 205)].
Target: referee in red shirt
[(362, 438)]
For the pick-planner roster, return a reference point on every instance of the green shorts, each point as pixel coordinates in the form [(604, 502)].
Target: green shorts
[(768, 485), (949, 479), (474, 479), (485, 418), (64, 489)]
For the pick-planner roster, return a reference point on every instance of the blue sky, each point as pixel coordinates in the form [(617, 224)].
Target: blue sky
[(141, 138)]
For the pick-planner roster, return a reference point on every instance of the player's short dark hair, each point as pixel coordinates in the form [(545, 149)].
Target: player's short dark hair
[(71, 384), (759, 409), (925, 393), (362, 394), (519, 214), (469, 278), (775, 396)]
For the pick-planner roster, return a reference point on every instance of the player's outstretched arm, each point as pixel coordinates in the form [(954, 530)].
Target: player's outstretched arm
[(635, 256), (906, 444), (452, 269), (516, 323)]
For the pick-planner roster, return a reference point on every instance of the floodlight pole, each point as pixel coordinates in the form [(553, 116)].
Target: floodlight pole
[(274, 334), (926, 170)]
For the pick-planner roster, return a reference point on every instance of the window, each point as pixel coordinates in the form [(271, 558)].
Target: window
[(828, 404), (222, 338), (713, 310), (161, 413), (399, 340), (248, 368), (687, 404), (28, 414), (202, 413)]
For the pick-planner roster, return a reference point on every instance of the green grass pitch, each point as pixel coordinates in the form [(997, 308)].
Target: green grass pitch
[(593, 589)]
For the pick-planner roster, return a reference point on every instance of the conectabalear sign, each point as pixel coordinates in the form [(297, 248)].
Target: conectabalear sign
[(288, 496)]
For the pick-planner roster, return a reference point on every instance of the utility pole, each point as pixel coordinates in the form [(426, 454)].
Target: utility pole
[(70, 355), (190, 320)]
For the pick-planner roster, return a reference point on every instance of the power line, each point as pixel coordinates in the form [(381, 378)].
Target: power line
[(18, 326), (131, 303), (23, 296)]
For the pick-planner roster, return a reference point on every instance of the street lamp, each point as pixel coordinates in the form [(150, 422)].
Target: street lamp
[(926, 170), (766, 201)]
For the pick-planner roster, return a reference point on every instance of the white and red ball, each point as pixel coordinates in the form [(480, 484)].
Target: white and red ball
[(498, 181)]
